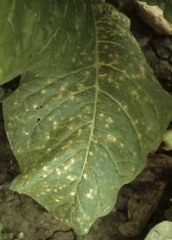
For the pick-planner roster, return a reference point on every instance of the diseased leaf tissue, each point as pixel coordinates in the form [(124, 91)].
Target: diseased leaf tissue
[(82, 133)]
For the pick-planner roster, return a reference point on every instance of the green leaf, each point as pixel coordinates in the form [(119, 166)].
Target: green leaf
[(166, 5), (167, 140), (36, 35), (168, 214), (1, 227), (162, 231), (79, 136), (1, 94)]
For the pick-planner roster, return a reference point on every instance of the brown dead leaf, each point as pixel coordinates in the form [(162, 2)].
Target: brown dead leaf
[(153, 16)]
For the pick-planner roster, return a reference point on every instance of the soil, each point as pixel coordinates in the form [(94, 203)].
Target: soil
[(140, 205)]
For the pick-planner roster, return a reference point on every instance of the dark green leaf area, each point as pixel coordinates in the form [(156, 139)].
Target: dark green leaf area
[(166, 5), (20, 26), (80, 136), (43, 36), (71, 41)]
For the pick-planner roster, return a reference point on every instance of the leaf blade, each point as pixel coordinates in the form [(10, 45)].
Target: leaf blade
[(84, 134)]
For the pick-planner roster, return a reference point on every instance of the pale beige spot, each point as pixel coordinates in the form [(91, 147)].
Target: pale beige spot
[(81, 86), (110, 56), (71, 178), (26, 133), (47, 136), (50, 119), (102, 75), (88, 73), (55, 124), (109, 120), (43, 91), (70, 127), (85, 176), (62, 88), (88, 195), (110, 79), (66, 167), (19, 150), (35, 106), (135, 94), (91, 153), (72, 160), (58, 171), (111, 138), (121, 145), (106, 46), (80, 130)]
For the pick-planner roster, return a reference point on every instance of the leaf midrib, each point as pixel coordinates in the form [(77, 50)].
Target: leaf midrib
[(95, 101)]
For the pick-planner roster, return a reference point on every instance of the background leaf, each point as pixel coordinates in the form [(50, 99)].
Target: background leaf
[(79, 136), (166, 5), (162, 231), (36, 34)]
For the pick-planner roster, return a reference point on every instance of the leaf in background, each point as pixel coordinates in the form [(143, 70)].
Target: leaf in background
[(167, 140), (36, 34), (162, 231), (81, 135), (165, 5), (168, 213)]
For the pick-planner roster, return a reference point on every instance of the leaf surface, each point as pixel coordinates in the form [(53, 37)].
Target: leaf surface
[(79, 136), (161, 231), (36, 34)]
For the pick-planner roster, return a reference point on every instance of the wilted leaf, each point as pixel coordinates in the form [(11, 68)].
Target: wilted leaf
[(165, 5), (157, 14), (81, 135)]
